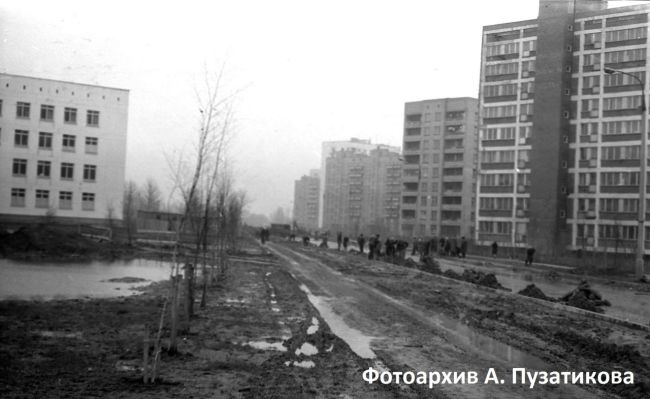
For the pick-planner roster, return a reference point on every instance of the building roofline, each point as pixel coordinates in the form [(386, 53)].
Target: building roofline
[(510, 24), (614, 10), (61, 81), (443, 99)]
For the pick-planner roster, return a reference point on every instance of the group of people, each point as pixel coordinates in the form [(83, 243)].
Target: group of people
[(442, 246)]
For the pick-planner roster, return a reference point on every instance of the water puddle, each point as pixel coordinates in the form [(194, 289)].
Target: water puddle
[(59, 334), (358, 342), (307, 349), (265, 346), (305, 364), (273, 308), (314, 326)]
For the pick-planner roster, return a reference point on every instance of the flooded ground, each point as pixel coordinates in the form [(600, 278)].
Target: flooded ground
[(45, 281)]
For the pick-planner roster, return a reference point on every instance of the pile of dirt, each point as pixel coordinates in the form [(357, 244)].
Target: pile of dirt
[(585, 297), (430, 265), (533, 291), (47, 240), (480, 278), (452, 274), (410, 263)]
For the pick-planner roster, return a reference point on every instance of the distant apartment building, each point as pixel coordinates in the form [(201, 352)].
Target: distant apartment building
[(362, 191), (306, 199), (439, 168), (560, 142), (328, 147), (62, 150)]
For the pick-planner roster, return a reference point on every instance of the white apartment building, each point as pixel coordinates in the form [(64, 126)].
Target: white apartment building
[(62, 150)]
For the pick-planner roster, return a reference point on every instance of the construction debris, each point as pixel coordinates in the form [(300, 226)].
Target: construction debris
[(585, 297), (533, 291)]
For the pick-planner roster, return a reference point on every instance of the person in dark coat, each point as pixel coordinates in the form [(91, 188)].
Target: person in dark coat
[(361, 240), (463, 247), (339, 240), (345, 243), (529, 256), (495, 249)]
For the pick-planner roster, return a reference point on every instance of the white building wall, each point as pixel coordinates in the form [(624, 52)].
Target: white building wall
[(109, 159)]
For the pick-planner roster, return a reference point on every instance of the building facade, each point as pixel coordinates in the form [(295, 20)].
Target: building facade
[(560, 137), (439, 169), (328, 148), (62, 150), (306, 200), (362, 191)]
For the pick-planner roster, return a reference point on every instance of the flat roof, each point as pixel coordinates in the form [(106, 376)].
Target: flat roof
[(60, 81)]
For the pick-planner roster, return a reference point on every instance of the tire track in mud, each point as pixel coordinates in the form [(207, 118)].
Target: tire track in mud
[(414, 338)]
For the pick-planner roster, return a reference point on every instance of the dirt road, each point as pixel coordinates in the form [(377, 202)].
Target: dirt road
[(413, 321)]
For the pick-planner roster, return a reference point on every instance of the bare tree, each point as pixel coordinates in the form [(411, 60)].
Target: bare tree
[(130, 200), (196, 178), (151, 195)]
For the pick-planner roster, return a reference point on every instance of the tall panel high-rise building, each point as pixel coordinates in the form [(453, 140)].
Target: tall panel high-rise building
[(362, 190), (439, 171), (306, 199), (560, 137)]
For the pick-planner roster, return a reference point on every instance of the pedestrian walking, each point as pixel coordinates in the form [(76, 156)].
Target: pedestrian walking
[(339, 240), (495, 249), (530, 252), (361, 240), (346, 240)]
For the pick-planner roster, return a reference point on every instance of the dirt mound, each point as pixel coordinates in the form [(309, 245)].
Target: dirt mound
[(533, 291), (585, 297), (410, 263), (452, 274), (480, 278), (47, 240), (430, 265)]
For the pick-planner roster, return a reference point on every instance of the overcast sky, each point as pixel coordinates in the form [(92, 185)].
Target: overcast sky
[(308, 71)]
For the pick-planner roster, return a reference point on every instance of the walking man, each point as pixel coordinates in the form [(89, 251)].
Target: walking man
[(361, 240)]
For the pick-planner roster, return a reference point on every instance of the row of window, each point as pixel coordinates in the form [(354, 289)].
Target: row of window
[(617, 35), (24, 110), (45, 140), (44, 170), (42, 199)]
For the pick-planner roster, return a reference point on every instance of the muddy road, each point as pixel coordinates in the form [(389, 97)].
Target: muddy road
[(405, 320)]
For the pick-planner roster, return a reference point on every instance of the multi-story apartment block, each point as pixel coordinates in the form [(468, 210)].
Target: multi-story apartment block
[(62, 149), (328, 148), (362, 191), (306, 198), (561, 128), (439, 168)]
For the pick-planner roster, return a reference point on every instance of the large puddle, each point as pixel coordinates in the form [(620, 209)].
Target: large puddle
[(356, 340), (45, 281)]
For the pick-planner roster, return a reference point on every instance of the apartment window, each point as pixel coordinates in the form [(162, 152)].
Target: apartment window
[(91, 145), (68, 142), (19, 167), (616, 103), (21, 138), (622, 127), (625, 56), (42, 199), (65, 200), (18, 197), (70, 115), (619, 79), (625, 34), (43, 169), (67, 171), (22, 110), (44, 141), (90, 172), (92, 118), (47, 113), (88, 201)]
